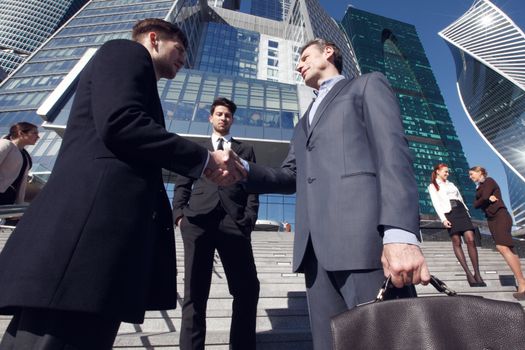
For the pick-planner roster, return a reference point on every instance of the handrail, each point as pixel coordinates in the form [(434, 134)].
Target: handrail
[(12, 210)]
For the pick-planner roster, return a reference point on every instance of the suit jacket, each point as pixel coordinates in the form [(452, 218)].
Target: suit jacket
[(195, 199), (441, 202), (99, 237), (352, 171), (486, 189)]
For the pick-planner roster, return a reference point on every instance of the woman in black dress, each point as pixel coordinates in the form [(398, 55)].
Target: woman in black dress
[(488, 199), (453, 212)]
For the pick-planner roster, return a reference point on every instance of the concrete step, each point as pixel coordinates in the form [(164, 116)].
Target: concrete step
[(282, 315), (279, 339)]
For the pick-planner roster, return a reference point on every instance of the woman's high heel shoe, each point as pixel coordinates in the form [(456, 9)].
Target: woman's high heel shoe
[(477, 284)]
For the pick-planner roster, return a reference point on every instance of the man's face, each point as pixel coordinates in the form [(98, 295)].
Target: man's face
[(221, 119), (313, 63), (168, 57)]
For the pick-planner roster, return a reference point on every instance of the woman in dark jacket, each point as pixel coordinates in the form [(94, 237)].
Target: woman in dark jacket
[(488, 199)]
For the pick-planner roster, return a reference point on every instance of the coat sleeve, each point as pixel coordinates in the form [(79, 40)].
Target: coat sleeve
[(252, 202), (487, 189), (123, 87), (4, 149), (262, 179), (399, 199), (182, 194)]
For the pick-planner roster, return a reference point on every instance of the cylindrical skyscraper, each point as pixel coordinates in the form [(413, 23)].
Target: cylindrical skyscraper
[(488, 51)]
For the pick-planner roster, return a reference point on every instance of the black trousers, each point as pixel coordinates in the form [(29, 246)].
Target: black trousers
[(44, 329), (201, 237)]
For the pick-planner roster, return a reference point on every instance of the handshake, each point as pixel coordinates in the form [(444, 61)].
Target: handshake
[(225, 168)]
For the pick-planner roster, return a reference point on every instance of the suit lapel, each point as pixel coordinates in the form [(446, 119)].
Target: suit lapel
[(304, 119), (319, 114), (235, 145), (209, 145)]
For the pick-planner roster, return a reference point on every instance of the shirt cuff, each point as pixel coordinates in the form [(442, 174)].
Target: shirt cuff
[(397, 235), (245, 164)]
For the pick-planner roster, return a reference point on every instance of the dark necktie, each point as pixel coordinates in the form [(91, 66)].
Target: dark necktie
[(220, 147)]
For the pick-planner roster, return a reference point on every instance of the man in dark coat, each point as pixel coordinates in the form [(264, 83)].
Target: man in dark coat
[(96, 247), (213, 217)]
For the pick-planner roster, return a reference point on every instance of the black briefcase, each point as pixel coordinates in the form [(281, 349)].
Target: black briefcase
[(462, 322)]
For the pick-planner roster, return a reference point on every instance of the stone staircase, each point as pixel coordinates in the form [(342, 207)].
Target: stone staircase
[(282, 316)]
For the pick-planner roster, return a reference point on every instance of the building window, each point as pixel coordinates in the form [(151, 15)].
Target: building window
[(273, 44)]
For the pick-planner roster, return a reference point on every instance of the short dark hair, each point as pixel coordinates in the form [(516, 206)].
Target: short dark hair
[(161, 27), (21, 127), (223, 101), (321, 44)]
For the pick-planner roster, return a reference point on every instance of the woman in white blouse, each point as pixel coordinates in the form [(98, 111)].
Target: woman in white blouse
[(453, 212)]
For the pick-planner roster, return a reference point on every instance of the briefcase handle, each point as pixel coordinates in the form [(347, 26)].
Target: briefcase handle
[(434, 281)]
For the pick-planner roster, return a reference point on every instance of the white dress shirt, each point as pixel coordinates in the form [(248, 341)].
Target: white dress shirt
[(226, 144)]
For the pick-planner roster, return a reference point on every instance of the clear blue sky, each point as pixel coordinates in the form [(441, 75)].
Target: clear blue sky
[(430, 17)]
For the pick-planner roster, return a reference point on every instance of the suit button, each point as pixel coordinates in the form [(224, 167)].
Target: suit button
[(154, 215), (311, 179), (310, 148)]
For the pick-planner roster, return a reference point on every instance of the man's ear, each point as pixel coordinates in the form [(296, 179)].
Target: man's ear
[(152, 38), (329, 53)]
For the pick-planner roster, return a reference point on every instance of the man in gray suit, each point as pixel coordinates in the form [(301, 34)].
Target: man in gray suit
[(357, 213)]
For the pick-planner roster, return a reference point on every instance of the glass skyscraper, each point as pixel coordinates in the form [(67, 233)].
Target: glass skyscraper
[(490, 62), (272, 9), (248, 59), (393, 48), (26, 24)]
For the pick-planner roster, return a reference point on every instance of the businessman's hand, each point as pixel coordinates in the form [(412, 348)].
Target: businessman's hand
[(225, 168), (405, 264)]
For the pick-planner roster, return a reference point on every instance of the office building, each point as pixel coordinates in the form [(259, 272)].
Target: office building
[(487, 47), (26, 24), (246, 58), (272, 9), (393, 48)]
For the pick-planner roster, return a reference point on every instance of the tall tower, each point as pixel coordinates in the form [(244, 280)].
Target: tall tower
[(272, 9), (487, 47), (392, 47), (26, 24)]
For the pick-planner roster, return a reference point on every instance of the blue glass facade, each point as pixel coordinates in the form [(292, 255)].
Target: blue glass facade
[(394, 48), (229, 50), (517, 196), (25, 25), (272, 9), (224, 60)]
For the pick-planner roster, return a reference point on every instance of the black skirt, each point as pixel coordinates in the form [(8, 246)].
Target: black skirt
[(459, 218)]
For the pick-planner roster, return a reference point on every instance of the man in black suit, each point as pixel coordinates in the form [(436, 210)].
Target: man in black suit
[(214, 217), (96, 247)]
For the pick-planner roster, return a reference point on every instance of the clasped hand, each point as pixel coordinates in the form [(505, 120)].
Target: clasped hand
[(225, 168)]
